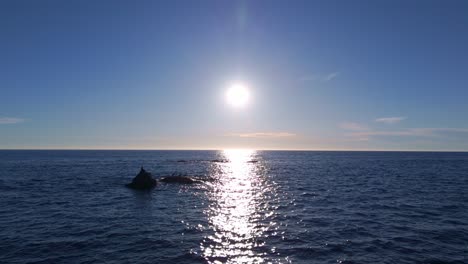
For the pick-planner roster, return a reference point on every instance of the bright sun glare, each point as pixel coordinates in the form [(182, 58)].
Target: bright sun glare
[(237, 95)]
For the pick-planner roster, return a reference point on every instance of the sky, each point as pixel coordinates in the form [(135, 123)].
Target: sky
[(321, 75)]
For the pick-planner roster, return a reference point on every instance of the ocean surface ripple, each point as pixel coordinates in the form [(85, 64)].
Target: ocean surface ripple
[(255, 207)]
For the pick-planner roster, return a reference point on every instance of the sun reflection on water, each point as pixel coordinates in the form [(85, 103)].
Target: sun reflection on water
[(239, 210)]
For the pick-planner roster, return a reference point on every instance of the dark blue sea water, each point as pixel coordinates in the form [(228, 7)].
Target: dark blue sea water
[(258, 207)]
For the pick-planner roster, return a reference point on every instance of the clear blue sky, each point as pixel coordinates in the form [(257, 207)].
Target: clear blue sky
[(361, 75)]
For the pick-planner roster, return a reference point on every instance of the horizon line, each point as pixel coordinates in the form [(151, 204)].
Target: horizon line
[(221, 149)]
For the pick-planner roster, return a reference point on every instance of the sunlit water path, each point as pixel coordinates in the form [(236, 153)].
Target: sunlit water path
[(243, 203)]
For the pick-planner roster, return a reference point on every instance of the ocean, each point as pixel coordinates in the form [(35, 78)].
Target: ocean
[(255, 207)]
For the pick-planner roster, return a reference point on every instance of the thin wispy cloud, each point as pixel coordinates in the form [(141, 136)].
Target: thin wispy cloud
[(331, 76), (353, 126), (319, 77), (390, 120), (10, 120), (361, 132), (360, 139), (263, 135), (407, 132), (413, 132)]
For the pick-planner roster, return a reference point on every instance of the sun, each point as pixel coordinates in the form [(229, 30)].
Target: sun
[(237, 95)]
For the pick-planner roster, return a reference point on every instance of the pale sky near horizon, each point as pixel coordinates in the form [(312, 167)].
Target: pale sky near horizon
[(321, 75)]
